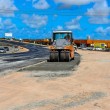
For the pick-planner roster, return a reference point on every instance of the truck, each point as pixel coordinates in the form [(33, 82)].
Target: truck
[(100, 46)]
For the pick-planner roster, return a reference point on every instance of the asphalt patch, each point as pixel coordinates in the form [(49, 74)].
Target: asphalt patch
[(65, 102), (50, 74), (55, 66)]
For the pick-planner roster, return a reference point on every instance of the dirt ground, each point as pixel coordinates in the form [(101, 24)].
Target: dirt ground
[(88, 88), (22, 49)]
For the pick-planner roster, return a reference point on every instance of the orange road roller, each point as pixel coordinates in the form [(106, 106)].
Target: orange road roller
[(61, 49)]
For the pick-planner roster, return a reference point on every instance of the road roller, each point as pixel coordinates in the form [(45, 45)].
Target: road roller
[(61, 49)]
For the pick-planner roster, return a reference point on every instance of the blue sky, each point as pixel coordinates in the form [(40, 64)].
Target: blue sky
[(36, 19)]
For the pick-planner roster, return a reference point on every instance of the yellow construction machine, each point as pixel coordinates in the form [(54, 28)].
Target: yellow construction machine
[(62, 48)]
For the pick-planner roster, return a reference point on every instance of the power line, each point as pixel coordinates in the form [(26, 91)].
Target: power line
[(51, 12)]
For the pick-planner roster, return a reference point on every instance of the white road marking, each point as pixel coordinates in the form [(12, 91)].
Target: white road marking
[(32, 65)]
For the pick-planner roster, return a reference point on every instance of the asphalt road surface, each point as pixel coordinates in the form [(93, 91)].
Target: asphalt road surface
[(15, 61), (32, 58)]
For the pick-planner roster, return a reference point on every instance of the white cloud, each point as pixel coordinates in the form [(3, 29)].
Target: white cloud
[(99, 20), (34, 21), (37, 31), (103, 31), (100, 8), (55, 15), (100, 30), (59, 27), (75, 2), (7, 8), (99, 13), (6, 24), (74, 24), (40, 4)]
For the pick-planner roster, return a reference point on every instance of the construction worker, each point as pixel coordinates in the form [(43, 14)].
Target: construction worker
[(67, 37)]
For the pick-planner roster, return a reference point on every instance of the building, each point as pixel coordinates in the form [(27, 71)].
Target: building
[(88, 42)]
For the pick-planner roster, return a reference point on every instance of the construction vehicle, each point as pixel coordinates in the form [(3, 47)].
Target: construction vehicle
[(62, 48)]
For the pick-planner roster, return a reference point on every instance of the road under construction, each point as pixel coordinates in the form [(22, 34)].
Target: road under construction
[(37, 58), (29, 81)]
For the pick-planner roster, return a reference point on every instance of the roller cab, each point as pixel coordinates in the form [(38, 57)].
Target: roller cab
[(62, 48)]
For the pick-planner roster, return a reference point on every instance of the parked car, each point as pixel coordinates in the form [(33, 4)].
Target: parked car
[(79, 47), (98, 48), (84, 48), (2, 50), (89, 48), (6, 48)]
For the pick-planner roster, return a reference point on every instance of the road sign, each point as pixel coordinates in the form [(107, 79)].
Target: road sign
[(8, 35)]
